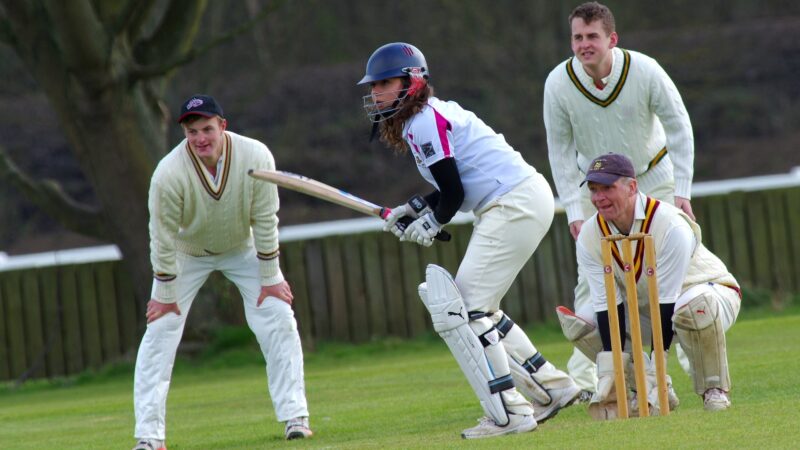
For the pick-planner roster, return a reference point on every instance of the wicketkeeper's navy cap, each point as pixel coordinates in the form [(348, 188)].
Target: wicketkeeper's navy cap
[(200, 105), (606, 169)]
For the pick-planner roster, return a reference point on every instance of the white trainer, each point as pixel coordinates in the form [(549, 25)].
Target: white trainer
[(298, 428), (559, 398), (488, 428), (150, 444), (716, 399)]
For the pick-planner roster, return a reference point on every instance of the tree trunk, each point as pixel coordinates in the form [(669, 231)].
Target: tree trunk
[(115, 124), (108, 134), (103, 65)]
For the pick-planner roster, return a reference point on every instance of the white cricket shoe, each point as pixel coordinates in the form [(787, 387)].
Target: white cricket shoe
[(298, 428), (488, 428), (715, 399), (150, 444), (559, 398)]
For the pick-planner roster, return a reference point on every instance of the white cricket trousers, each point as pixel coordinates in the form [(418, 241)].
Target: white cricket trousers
[(273, 324), (506, 232)]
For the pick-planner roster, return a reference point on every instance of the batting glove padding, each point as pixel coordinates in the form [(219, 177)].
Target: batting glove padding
[(397, 213), (400, 217), (423, 230)]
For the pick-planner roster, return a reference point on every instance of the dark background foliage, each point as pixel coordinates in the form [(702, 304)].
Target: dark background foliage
[(291, 83)]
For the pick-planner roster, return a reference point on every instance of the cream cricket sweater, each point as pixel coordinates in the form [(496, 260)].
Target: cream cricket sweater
[(193, 214), (638, 113)]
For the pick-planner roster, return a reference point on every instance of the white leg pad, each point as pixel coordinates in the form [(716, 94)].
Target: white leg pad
[(527, 384), (702, 336), (583, 335), (450, 319)]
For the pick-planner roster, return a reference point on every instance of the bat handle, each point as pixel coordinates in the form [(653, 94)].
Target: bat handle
[(443, 236)]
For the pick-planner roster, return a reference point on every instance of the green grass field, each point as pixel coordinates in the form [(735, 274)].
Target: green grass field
[(396, 394)]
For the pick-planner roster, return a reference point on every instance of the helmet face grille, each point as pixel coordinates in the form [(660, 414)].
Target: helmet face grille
[(380, 111)]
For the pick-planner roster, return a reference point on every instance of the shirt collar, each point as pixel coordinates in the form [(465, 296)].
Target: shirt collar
[(608, 77), (639, 214)]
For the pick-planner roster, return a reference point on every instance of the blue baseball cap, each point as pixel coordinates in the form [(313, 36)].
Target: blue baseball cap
[(200, 105)]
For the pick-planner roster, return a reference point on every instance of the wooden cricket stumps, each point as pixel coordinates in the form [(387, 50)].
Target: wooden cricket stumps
[(649, 271)]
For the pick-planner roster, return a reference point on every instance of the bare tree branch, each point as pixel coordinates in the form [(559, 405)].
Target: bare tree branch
[(79, 33), (131, 17), (149, 71), (48, 195), (11, 13), (6, 36), (175, 32), (107, 11), (262, 50)]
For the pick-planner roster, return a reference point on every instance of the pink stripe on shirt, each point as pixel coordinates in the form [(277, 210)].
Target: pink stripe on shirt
[(442, 125), (413, 145)]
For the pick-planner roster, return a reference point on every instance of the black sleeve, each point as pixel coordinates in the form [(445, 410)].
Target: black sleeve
[(604, 328), (446, 201)]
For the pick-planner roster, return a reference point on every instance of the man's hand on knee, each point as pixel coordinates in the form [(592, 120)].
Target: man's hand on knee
[(280, 291), (156, 309)]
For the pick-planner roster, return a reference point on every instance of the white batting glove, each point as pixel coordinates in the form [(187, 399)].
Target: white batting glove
[(423, 230), (396, 214)]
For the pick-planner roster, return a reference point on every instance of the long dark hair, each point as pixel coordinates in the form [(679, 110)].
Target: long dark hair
[(392, 128)]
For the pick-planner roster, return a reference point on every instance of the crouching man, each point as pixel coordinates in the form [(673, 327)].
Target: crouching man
[(699, 299)]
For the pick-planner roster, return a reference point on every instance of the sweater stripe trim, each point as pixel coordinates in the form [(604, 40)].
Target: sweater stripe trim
[(216, 194), (606, 231), (651, 205), (650, 208), (164, 276), (656, 159), (614, 94), (267, 256)]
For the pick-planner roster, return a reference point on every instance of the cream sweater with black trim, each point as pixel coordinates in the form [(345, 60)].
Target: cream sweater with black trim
[(193, 214), (637, 114)]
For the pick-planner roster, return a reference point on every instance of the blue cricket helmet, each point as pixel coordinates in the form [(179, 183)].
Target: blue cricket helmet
[(397, 59)]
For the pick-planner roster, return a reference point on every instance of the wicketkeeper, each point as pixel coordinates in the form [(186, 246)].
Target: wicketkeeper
[(699, 299)]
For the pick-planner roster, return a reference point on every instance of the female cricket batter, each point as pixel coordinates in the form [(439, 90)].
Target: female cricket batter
[(471, 168)]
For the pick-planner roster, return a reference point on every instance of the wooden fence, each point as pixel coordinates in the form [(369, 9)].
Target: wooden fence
[(62, 320)]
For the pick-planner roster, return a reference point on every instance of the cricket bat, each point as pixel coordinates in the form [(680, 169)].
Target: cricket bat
[(322, 191)]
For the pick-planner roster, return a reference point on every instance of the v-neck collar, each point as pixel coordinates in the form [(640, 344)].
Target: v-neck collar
[(214, 189), (644, 212), (585, 84)]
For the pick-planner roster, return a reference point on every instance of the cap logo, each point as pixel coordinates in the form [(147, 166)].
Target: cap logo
[(597, 165), (194, 103)]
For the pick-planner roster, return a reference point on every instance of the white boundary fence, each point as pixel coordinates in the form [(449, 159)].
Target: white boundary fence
[(353, 226)]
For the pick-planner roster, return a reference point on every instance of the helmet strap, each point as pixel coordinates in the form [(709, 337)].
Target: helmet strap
[(374, 132)]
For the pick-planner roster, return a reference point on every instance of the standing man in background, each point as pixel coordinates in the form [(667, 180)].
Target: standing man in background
[(606, 99), (206, 214)]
